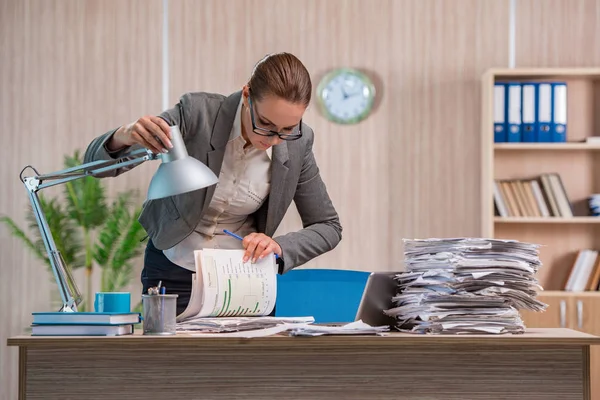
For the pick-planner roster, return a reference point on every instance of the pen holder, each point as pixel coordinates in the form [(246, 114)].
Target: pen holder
[(160, 312)]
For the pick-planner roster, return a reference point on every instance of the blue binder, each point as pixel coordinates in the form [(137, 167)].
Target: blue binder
[(529, 111), (513, 111), (558, 127), (544, 125), (500, 126)]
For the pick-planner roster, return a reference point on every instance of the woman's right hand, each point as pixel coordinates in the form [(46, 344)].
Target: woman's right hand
[(151, 132)]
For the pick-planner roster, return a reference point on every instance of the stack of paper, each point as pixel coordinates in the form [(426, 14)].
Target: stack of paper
[(466, 285)]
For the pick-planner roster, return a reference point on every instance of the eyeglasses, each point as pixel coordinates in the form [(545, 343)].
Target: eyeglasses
[(267, 132)]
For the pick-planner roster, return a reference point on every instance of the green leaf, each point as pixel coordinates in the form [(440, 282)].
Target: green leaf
[(86, 198), (119, 242), (20, 234), (63, 230)]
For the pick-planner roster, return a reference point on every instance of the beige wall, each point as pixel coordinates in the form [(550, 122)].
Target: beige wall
[(74, 69)]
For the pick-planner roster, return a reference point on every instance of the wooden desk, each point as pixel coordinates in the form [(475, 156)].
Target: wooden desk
[(542, 364)]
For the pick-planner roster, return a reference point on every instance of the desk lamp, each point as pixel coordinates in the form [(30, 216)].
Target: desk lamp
[(178, 173)]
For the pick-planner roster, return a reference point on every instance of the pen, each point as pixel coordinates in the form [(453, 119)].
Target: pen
[(240, 238)]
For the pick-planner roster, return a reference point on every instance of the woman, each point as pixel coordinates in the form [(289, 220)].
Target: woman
[(257, 144)]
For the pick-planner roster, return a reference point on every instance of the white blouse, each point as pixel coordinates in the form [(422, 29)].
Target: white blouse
[(244, 184)]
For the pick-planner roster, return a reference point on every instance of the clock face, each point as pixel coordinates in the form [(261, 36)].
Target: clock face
[(346, 96)]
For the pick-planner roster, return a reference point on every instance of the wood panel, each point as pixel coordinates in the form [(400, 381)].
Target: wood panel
[(412, 168), (586, 318), (339, 371), (71, 70), (557, 33)]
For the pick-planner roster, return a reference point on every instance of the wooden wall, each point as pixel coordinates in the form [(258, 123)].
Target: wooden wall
[(387, 175), (74, 69), (70, 71)]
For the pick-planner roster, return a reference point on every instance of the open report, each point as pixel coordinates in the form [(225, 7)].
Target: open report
[(226, 286)]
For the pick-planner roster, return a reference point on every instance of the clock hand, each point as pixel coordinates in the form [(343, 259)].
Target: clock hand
[(358, 92), (344, 93)]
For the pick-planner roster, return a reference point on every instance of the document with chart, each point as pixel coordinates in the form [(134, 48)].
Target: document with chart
[(226, 286), (233, 298)]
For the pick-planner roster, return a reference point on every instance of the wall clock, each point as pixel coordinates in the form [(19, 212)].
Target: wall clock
[(346, 96)]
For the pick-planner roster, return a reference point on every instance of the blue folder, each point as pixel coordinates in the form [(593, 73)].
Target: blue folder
[(500, 126), (529, 111), (544, 125), (558, 127), (513, 111)]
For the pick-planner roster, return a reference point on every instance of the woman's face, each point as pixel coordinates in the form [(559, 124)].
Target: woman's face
[(272, 113)]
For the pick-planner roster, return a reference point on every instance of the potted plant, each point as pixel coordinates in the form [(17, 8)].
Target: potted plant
[(89, 230)]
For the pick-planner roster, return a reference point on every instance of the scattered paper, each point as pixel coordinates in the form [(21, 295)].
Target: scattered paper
[(250, 327), (352, 328), (237, 324), (253, 333)]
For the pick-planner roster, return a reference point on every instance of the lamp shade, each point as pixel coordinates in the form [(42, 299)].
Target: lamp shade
[(178, 172)]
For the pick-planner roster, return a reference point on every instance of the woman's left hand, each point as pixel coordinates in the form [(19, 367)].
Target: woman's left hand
[(258, 246)]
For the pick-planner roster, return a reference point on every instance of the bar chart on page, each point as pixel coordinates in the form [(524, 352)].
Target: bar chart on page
[(241, 288)]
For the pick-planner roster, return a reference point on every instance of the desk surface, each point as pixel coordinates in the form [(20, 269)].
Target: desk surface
[(549, 364), (539, 336)]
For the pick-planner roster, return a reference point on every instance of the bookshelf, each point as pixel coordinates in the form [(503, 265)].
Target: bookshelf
[(574, 162), (562, 235)]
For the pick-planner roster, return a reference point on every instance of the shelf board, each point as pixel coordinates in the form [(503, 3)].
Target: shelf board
[(500, 73), (547, 146), (564, 293), (547, 220)]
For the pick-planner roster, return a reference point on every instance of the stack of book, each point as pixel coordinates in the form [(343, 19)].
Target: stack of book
[(466, 285), (539, 196), (83, 323)]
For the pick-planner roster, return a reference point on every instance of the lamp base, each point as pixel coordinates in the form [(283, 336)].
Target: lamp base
[(68, 308)]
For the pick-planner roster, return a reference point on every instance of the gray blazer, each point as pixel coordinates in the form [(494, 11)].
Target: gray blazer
[(205, 121)]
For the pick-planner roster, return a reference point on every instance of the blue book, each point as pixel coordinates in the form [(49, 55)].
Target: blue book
[(81, 330), (84, 318)]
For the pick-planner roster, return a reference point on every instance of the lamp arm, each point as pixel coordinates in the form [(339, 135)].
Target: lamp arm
[(69, 293), (90, 169)]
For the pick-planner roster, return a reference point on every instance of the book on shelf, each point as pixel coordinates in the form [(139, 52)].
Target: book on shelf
[(585, 272), (540, 196)]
